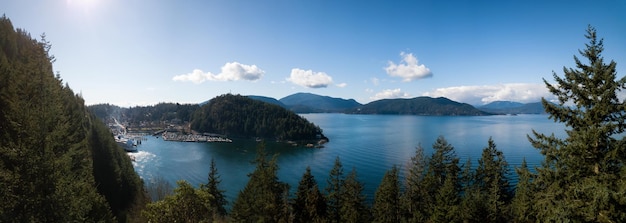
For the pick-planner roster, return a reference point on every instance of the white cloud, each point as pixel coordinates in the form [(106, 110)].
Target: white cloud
[(342, 85), (232, 71), (196, 76), (408, 69), (390, 93), (484, 94), (309, 78)]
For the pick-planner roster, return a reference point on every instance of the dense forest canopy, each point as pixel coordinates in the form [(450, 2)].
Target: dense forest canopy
[(58, 162), (237, 115), (152, 113)]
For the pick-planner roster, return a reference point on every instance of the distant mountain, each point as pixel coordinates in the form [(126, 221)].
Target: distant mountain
[(508, 107), (312, 103), (419, 106), (267, 100)]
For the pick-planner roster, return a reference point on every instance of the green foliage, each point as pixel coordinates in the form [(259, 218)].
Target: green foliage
[(237, 115), (522, 202), (415, 199), (218, 200), (263, 198), (50, 144), (491, 181), (353, 207), (309, 204), (186, 205), (386, 206), (578, 177), (333, 191)]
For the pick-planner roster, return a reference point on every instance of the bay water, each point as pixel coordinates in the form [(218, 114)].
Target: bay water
[(371, 144)]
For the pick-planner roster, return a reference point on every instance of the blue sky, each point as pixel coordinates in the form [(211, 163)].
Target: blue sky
[(140, 52)]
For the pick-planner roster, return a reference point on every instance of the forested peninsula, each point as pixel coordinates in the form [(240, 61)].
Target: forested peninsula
[(236, 115)]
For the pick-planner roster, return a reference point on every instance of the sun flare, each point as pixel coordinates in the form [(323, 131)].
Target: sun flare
[(84, 5)]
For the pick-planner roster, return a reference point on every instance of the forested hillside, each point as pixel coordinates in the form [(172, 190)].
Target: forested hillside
[(58, 163), (312, 103), (237, 115), (418, 106)]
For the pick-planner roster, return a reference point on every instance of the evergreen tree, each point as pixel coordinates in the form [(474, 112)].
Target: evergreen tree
[(447, 201), (491, 180), (353, 207), (521, 205), (309, 204), (443, 164), (415, 198), (218, 200), (387, 198), (333, 191), (472, 206), (579, 177), (263, 197)]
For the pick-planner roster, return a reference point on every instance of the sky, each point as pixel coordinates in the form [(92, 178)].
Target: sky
[(142, 52)]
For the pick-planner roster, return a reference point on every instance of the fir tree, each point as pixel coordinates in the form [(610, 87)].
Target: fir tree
[(353, 207), (387, 198), (491, 180), (333, 191), (521, 205), (415, 198), (263, 197), (218, 200), (579, 177), (309, 204)]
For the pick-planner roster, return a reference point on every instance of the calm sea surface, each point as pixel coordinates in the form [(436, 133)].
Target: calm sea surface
[(370, 143)]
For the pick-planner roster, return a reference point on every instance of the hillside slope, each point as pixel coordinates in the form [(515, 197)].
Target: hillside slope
[(240, 116), (514, 108), (58, 162), (419, 106), (312, 103)]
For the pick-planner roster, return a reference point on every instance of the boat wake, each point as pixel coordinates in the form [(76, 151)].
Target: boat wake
[(140, 159)]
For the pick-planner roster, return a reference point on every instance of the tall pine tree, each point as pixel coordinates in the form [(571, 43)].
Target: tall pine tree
[(580, 176), (333, 191), (353, 207), (262, 199), (218, 200), (387, 198), (309, 204)]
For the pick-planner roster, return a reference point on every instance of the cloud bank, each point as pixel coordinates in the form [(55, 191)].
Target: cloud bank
[(310, 79), (389, 94), (408, 69), (479, 95), (232, 71)]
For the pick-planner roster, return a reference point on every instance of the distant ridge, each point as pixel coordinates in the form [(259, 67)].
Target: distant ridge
[(508, 107), (267, 100), (420, 106), (313, 103)]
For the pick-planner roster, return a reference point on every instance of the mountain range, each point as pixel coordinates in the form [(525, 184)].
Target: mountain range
[(313, 103), (508, 107)]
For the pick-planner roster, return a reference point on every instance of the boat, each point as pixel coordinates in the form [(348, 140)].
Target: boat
[(129, 144)]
